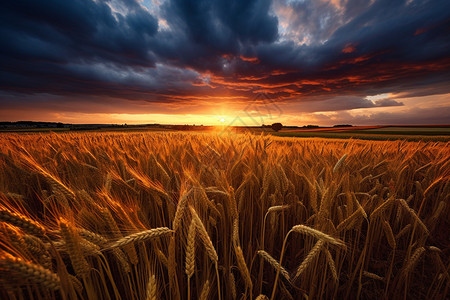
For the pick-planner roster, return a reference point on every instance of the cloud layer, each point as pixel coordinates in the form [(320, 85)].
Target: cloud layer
[(318, 55)]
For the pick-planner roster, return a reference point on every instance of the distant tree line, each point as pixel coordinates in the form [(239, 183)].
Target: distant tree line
[(343, 125)]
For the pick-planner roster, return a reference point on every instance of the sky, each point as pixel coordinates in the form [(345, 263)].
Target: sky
[(236, 62)]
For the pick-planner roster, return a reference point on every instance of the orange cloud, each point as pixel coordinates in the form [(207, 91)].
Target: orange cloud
[(253, 60), (349, 48)]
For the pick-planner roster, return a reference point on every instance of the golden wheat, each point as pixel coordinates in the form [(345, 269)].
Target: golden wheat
[(151, 288), (29, 272), (309, 258), (114, 215), (73, 246), (190, 250), (317, 234), (141, 237), (272, 261), (22, 222)]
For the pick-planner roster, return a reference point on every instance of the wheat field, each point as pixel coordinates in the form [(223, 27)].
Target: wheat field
[(210, 216)]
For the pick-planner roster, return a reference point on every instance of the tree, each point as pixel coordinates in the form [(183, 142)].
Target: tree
[(277, 126)]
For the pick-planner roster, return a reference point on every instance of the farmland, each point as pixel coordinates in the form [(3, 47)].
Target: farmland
[(175, 215), (382, 133)]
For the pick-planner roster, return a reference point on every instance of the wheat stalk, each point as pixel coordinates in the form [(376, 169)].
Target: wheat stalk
[(171, 267)]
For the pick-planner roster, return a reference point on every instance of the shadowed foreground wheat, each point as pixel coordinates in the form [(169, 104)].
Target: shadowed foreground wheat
[(203, 216)]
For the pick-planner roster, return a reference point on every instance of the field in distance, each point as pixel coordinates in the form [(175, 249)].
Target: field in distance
[(410, 133), (382, 133), (186, 215)]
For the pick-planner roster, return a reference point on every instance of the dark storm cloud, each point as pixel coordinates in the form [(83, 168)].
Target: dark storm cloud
[(385, 41), (68, 31), (198, 48), (205, 34), (221, 24)]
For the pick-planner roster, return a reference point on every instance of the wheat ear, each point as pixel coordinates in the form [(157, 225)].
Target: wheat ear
[(272, 261), (141, 237), (180, 210), (242, 266), (210, 250), (29, 271), (151, 288), (332, 265), (129, 249), (72, 239), (414, 259), (190, 251), (76, 283), (232, 283), (372, 276), (411, 211), (59, 187), (92, 237), (309, 258), (203, 234), (205, 291), (339, 163), (350, 221), (23, 222), (36, 246), (389, 234), (318, 235)]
